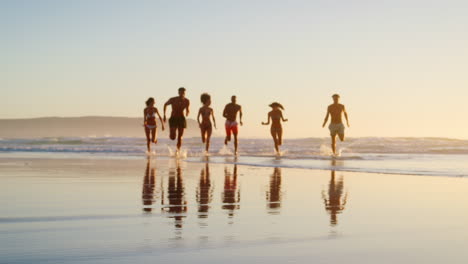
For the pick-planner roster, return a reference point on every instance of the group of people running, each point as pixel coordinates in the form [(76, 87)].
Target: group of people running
[(180, 109)]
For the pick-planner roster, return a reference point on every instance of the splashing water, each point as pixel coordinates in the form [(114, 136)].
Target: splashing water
[(327, 151), (182, 153), (281, 153), (151, 153), (225, 151)]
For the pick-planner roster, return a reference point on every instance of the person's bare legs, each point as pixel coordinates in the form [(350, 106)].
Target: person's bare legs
[(274, 134), (341, 136), (179, 137), (333, 144), (280, 136), (235, 143), (172, 133), (208, 137), (203, 133), (148, 139), (154, 134)]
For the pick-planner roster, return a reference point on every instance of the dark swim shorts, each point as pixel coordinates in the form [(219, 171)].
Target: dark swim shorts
[(178, 122)]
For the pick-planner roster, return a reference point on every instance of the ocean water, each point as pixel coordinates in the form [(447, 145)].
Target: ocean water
[(415, 156)]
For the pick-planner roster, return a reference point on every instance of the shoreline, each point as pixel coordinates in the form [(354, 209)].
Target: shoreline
[(336, 164)]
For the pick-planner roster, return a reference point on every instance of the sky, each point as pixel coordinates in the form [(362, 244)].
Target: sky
[(401, 67)]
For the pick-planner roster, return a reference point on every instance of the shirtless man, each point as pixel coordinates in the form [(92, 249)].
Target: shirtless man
[(177, 120), (230, 113), (336, 125)]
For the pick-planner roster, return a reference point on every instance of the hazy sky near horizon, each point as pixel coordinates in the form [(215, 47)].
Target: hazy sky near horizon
[(400, 66)]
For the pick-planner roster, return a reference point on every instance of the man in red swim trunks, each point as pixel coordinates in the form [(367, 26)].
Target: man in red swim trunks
[(230, 113), (177, 120)]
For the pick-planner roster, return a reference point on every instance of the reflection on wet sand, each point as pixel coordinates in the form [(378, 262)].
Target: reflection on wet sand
[(177, 205), (335, 201), (204, 192), (274, 194), (231, 193), (148, 196)]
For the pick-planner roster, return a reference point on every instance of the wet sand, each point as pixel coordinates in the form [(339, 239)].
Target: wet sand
[(164, 211)]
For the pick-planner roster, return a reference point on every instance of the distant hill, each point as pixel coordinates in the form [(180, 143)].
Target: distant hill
[(98, 126)]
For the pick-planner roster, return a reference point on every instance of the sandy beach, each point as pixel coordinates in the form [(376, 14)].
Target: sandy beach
[(92, 210)]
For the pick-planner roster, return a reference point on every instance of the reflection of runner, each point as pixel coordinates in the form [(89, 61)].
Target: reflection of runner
[(206, 112), (148, 187), (149, 122), (273, 196), (231, 194), (334, 203), (230, 113), (177, 122), (336, 125), (204, 193), (276, 116), (176, 196)]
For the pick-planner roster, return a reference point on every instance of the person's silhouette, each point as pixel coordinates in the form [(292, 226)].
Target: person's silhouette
[(276, 130), (206, 113), (336, 126), (177, 121), (230, 113)]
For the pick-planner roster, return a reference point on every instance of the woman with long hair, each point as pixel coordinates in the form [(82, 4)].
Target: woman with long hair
[(276, 116), (149, 119)]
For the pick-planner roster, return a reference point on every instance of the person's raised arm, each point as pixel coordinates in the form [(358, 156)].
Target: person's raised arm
[(240, 115), (268, 118), (165, 106), (326, 117), (214, 120), (160, 119), (345, 115)]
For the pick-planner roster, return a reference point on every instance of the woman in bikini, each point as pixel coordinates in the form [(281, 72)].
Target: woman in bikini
[(149, 118), (276, 116), (205, 125)]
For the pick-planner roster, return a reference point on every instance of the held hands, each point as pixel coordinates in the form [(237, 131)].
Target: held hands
[(164, 118)]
